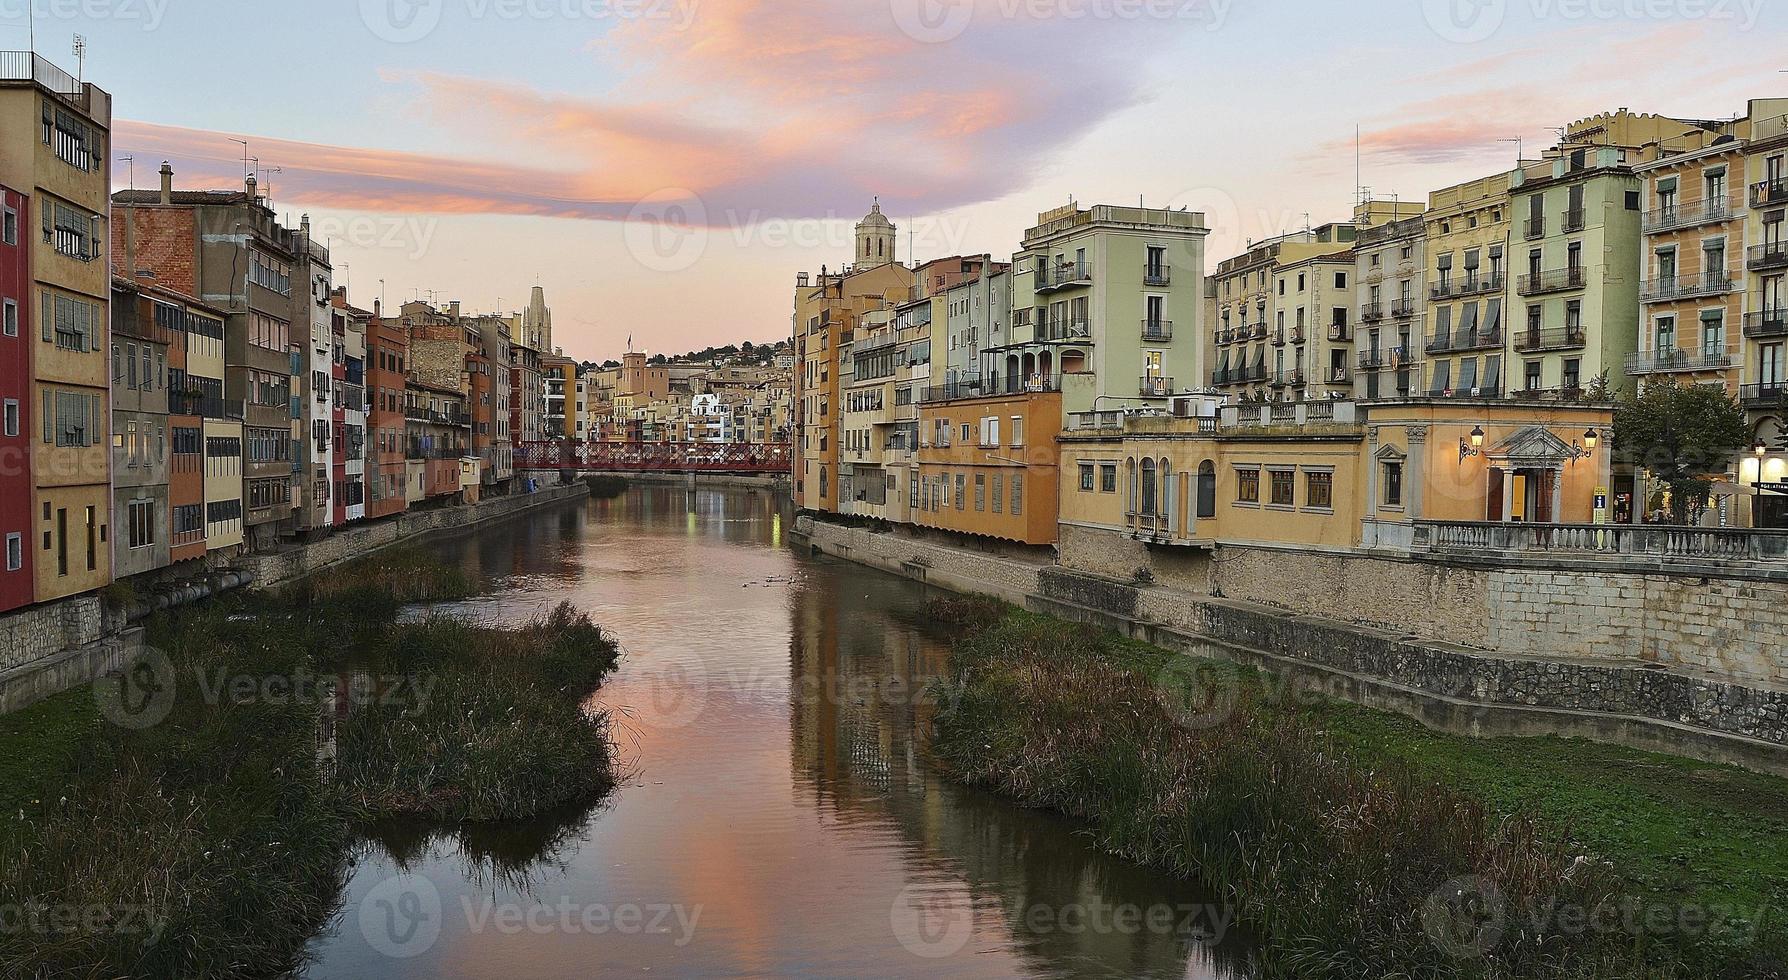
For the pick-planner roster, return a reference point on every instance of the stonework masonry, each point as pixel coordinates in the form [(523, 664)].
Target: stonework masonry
[(1665, 663)]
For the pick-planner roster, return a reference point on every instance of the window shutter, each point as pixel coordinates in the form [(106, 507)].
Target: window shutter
[(47, 305), (49, 416)]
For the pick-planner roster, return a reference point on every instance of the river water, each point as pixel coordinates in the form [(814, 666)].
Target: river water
[(779, 816)]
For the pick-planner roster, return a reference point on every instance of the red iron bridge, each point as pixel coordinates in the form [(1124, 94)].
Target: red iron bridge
[(654, 457)]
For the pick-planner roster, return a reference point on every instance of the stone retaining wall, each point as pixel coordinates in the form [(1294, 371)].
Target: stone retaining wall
[(953, 568)]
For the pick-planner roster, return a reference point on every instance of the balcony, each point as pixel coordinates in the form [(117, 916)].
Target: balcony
[(1157, 330), (1472, 285), (1468, 340), (1480, 391), (990, 386), (1257, 332), (1767, 323), (1535, 228), (1339, 333), (1688, 548), (1241, 374), (1157, 275), (1770, 256), (1064, 330), (1684, 287), (1574, 220), (1226, 336), (1535, 339), (1403, 309), (1674, 216), (205, 406), (1667, 361), (1554, 281), (1279, 337), (1155, 386), (1769, 396), (1768, 192), (1067, 275), (1371, 312), (1569, 394)]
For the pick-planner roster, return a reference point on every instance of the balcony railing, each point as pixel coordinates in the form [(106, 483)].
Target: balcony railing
[(1403, 309), (1339, 375), (1535, 227), (1767, 323), (1063, 276), (1339, 332), (1773, 255), (1767, 192), (1471, 284), (1769, 395), (1371, 312), (1155, 386), (1574, 220), (1684, 287), (1687, 215), (1553, 281), (1563, 393), (1548, 338), (205, 406), (1659, 362), (1157, 275), (1059, 330), (1465, 341), (1157, 330), (1240, 374), (1651, 542), (1257, 331), (25, 66), (990, 386), (1476, 391)]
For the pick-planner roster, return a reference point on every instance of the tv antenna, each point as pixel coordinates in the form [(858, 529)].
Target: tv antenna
[(269, 171), (130, 161), (1518, 144), (80, 53), (246, 169)]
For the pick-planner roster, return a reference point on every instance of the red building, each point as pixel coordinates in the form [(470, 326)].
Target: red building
[(387, 353), (15, 392)]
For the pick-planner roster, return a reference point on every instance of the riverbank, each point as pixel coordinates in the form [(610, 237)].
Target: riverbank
[(1361, 844), (194, 816)]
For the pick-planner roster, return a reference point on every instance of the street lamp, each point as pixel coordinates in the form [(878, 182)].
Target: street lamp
[(1587, 447), (1475, 447), (1757, 451)]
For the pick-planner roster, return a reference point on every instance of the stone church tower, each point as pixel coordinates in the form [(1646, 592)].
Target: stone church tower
[(875, 239)]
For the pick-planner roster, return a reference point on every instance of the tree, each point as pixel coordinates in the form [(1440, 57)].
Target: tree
[(1680, 434)]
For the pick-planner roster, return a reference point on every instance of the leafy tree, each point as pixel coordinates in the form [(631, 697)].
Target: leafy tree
[(1680, 434)]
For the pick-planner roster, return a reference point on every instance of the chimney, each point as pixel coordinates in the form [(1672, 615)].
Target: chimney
[(250, 184), (167, 183), (304, 226)]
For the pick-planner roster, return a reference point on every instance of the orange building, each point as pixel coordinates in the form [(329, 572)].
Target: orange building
[(987, 466), (387, 353)]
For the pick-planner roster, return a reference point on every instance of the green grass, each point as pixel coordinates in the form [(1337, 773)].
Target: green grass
[(1330, 827), (42, 744)]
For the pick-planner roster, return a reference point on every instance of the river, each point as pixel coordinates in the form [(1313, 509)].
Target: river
[(779, 816)]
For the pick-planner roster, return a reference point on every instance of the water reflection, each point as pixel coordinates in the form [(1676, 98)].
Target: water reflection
[(783, 818)]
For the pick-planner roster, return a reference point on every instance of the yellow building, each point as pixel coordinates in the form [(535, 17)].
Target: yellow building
[(57, 150), (1333, 475), (1463, 349), (1263, 294), (224, 528), (988, 466)]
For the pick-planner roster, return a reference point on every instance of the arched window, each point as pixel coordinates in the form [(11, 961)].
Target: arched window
[(1166, 508), (1130, 488), (1207, 489), (1148, 488)]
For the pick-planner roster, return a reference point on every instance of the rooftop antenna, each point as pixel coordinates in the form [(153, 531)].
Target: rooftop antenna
[(80, 53), (346, 280), (1358, 178), (245, 166), (130, 161), (1518, 144), (269, 171)]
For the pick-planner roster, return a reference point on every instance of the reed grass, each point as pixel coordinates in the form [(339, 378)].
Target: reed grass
[(1335, 855)]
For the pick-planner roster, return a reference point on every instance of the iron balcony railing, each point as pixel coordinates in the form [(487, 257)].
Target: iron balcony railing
[(1770, 394), (1155, 386), (1684, 287), (1157, 275), (1371, 312), (1548, 338), (1771, 255), (1767, 192), (26, 66), (1564, 393), (1552, 281), (1535, 227), (1574, 220), (1064, 330), (990, 386), (1466, 340), (1477, 391), (1767, 323), (1403, 309), (1063, 276), (1338, 332), (1659, 362), (1257, 331), (1469, 285), (1338, 375), (1675, 216), (205, 406), (1157, 330), (1398, 358)]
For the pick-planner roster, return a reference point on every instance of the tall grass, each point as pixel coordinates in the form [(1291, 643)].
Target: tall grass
[(220, 829), (1339, 863)]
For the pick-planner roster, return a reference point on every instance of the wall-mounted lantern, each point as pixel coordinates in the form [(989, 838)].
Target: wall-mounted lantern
[(1474, 447)]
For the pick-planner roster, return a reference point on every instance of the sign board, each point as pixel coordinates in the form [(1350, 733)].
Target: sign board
[(1601, 506), (1771, 487)]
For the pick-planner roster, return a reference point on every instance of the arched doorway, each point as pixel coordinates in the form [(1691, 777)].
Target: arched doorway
[(1207, 490)]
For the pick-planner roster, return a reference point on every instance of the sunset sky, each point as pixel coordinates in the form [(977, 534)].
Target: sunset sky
[(665, 167)]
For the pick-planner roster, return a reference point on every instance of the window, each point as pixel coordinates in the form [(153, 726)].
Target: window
[(1572, 372), (142, 523), (961, 502), (1393, 484), (75, 142), (1247, 486), (1108, 478), (73, 324), (12, 417), (1017, 432), (1533, 375), (9, 318), (73, 231), (15, 552), (1017, 494), (1340, 280), (1086, 477), (980, 491), (9, 227), (1282, 487), (1319, 490), (999, 494)]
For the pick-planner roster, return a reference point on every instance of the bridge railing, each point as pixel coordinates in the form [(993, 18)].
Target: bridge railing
[(645, 457)]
